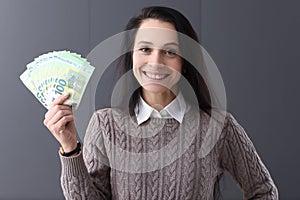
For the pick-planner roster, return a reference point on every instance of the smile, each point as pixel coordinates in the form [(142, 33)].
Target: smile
[(156, 76)]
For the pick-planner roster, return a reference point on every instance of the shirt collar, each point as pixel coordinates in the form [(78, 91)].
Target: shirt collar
[(175, 109)]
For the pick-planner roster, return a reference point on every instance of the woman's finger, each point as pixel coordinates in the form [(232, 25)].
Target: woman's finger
[(58, 127), (57, 116), (53, 110), (60, 99)]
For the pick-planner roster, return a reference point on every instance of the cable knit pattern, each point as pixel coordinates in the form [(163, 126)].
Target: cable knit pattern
[(110, 166)]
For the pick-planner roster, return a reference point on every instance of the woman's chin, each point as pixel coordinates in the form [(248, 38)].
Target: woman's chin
[(155, 88)]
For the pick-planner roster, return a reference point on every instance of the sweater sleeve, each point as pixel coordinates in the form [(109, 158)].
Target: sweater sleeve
[(87, 175), (241, 160)]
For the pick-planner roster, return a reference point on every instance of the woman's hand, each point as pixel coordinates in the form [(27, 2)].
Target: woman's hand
[(60, 121)]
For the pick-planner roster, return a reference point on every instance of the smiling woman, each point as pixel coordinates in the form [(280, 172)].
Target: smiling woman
[(154, 150), (162, 25), (156, 61)]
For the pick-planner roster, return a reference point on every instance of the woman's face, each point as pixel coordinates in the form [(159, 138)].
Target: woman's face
[(156, 61)]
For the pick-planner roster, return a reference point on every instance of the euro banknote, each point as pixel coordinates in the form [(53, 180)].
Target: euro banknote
[(55, 73)]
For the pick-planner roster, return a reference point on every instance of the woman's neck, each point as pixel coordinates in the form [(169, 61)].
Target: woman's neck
[(158, 100)]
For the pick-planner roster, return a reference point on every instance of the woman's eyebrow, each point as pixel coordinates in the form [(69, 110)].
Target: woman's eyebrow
[(166, 44), (171, 43), (145, 42)]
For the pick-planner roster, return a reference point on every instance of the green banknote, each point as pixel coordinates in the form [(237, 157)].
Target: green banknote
[(55, 73)]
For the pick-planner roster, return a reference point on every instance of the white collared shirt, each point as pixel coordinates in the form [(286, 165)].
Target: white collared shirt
[(175, 109)]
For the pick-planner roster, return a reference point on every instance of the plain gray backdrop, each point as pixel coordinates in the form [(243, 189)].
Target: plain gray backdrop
[(255, 44)]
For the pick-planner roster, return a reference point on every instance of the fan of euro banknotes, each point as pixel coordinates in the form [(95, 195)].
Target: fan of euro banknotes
[(55, 73)]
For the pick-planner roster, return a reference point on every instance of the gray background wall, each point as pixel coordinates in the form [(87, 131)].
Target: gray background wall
[(254, 44)]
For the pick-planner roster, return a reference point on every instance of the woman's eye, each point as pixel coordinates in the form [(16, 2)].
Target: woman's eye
[(171, 52), (145, 49)]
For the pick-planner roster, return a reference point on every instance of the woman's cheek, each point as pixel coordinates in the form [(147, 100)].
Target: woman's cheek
[(136, 74)]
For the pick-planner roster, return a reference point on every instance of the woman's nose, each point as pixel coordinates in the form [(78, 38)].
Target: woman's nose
[(156, 57)]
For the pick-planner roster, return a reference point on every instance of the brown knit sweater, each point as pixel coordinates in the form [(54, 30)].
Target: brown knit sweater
[(161, 160)]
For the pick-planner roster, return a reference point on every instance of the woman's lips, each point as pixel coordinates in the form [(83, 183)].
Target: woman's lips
[(155, 76)]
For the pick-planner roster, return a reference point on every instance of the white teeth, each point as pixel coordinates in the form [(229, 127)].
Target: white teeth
[(156, 76)]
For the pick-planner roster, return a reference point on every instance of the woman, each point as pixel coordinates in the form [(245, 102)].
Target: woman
[(103, 171)]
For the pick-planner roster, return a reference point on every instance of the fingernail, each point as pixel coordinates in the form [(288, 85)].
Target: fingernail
[(66, 94)]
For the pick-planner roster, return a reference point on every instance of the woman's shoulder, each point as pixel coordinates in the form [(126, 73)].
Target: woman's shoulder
[(101, 122), (231, 121), (103, 111), (98, 120), (110, 111), (112, 115), (233, 130), (221, 121), (218, 115)]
